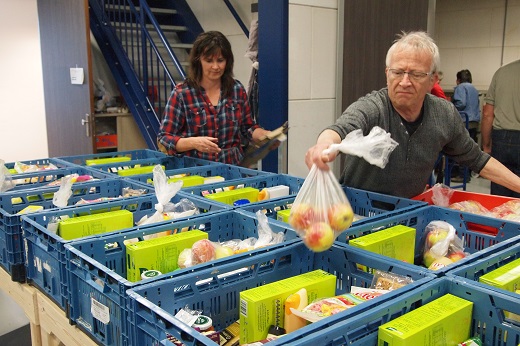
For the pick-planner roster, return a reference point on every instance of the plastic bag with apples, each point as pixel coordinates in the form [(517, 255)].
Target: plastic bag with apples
[(442, 247), (321, 210)]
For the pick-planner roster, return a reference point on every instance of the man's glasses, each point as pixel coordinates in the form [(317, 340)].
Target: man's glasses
[(412, 75)]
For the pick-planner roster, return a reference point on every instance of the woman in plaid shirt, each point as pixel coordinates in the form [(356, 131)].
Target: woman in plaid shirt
[(208, 115)]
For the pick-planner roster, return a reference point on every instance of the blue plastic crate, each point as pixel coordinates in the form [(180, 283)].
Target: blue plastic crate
[(139, 154), (216, 291), (260, 182), (39, 179), (495, 257), (362, 330), (369, 205), (228, 172), (98, 273), (39, 162), (12, 253), (45, 262), (478, 232)]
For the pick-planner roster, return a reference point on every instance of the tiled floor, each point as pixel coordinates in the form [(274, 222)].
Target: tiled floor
[(479, 184)]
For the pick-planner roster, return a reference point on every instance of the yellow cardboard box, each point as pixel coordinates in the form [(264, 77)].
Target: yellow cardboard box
[(160, 254), (231, 196), (396, 242), (107, 160), (263, 306), (283, 215), (445, 321), (86, 225)]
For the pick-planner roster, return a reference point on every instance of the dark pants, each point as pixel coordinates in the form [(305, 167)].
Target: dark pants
[(505, 147)]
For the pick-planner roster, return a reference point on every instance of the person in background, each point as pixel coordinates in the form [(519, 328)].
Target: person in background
[(437, 89), (500, 128), (208, 114), (466, 100), (421, 123)]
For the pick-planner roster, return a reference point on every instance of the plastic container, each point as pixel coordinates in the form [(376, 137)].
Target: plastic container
[(260, 182), (496, 257), (362, 329), (368, 205), (229, 172), (488, 201), (98, 273), (12, 254), (479, 232), (38, 162), (140, 154), (216, 290), (45, 250), (39, 179)]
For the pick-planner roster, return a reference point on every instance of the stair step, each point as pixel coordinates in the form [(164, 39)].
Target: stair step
[(165, 28), (153, 9)]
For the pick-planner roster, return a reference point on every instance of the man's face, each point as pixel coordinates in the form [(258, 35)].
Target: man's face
[(407, 91)]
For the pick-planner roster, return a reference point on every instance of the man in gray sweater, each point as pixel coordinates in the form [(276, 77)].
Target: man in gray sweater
[(422, 124)]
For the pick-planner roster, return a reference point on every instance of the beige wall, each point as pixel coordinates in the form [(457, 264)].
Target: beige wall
[(469, 34), (23, 134)]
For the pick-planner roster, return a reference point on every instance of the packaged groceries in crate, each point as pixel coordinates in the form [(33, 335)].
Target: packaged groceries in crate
[(250, 190), (367, 206), (17, 203), (486, 322), (474, 232), (223, 293), (44, 247), (203, 175), (102, 269)]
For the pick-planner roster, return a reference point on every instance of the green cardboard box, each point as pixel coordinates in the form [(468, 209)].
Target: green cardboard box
[(445, 321), (231, 196), (506, 277), (396, 242), (263, 306), (107, 160), (83, 226), (136, 170), (160, 254), (283, 215)]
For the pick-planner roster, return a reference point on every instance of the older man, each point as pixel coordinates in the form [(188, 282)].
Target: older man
[(422, 124)]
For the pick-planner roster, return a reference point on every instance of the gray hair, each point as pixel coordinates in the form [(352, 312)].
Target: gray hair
[(418, 41)]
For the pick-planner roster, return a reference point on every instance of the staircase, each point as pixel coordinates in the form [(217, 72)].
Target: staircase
[(146, 45)]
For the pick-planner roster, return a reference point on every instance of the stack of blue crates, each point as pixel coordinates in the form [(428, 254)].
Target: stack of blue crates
[(87, 277)]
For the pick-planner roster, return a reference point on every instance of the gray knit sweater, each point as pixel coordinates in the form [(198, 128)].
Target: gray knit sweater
[(411, 163)]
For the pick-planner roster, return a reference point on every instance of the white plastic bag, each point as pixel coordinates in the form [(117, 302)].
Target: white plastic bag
[(61, 197), (375, 148), (6, 182), (321, 210)]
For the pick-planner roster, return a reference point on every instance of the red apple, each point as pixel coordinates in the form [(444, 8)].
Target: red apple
[(302, 216), (428, 258), (319, 237), (340, 216), (456, 256)]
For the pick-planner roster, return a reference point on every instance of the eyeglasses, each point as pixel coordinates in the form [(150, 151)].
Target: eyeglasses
[(412, 75)]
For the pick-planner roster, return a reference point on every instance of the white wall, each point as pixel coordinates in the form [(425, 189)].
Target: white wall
[(469, 34), (23, 133)]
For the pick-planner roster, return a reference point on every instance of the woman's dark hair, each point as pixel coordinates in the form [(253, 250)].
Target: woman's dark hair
[(464, 76), (209, 44)]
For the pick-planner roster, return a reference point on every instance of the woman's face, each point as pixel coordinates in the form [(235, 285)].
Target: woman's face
[(213, 67)]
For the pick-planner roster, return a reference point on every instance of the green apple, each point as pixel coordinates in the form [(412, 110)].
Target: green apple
[(223, 251), (434, 236), (340, 216)]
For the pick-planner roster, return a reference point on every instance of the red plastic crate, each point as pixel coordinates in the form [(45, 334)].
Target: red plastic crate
[(106, 141), (488, 201)]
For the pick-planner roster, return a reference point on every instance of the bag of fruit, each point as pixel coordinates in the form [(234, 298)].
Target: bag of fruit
[(321, 210), (441, 245)]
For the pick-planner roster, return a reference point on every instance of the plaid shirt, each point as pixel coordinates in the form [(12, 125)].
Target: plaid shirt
[(188, 113)]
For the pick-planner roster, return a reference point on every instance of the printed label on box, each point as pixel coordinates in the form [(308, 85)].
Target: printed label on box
[(99, 311)]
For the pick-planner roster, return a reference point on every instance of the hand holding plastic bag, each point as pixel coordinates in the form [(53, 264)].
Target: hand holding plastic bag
[(375, 148), (321, 210)]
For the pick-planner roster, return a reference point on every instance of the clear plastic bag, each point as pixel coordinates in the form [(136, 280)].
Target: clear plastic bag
[(441, 195), (321, 210), (441, 245), (375, 147), (61, 197), (6, 182)]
